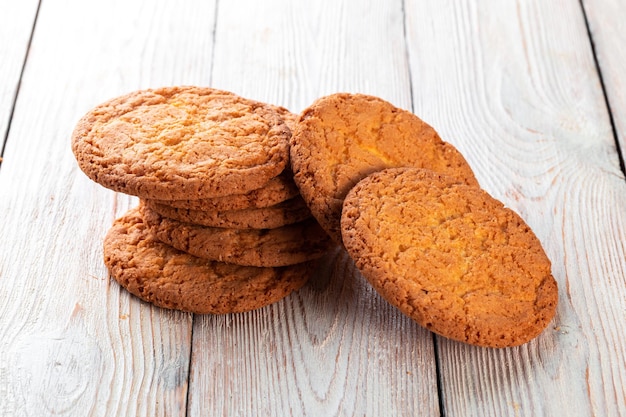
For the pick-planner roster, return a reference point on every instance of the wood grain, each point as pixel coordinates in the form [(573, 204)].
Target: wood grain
[(71, 341), (514, 86), (335, 347), (608, 34), (16, 24), (298, 53)]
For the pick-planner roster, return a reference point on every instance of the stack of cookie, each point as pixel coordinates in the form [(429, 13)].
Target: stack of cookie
[(221, 226), (267, 227)]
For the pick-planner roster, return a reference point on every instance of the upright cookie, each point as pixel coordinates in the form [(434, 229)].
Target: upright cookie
[(342, 138), (287, 245), (277, 190), (449, 256), (287, 212), (169, 278), (181, 143)]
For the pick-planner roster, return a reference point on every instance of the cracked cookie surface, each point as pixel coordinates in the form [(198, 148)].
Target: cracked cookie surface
[(179, 143), (343, 137), (169, 278), (450, 256)]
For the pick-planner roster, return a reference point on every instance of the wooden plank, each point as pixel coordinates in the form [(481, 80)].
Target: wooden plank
[(335, 347), (71, 341), (606, 23), (298, 53), (514, 86), (16, 24)]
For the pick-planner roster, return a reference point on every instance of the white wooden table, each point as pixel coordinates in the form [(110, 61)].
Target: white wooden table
[(532, 92)]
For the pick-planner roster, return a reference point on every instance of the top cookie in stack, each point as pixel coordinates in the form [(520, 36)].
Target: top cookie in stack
[(182, 143), (221, 226)]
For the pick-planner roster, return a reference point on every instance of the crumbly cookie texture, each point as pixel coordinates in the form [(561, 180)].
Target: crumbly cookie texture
[(449, 256), (288, 117), (287, 245), (180, 143), (342, 138), (277, 190), (169, 278), (287, 212)]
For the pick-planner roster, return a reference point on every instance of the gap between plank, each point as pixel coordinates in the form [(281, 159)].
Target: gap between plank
[(438, 375), (442, 412), (406, 53), (620, 154), (5, 139), (193, 317)]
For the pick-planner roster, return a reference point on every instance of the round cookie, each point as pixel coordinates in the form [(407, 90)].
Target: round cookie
[(343, 137), (277, 190), (449, 256), (169, 278), (287, 245), (287, 212), (179, 143)]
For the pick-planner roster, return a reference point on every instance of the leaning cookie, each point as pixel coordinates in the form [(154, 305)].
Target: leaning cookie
[(288, 212), (449, 256), (169, 278), (180, 143), (341, 138), (287, 245)]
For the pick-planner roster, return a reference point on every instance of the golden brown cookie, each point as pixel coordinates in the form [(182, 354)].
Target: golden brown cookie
[(287, 245), (341, 138), (277, 190), (287, 212), (180, 143), (449, 256), (290, 118), (169, 278)]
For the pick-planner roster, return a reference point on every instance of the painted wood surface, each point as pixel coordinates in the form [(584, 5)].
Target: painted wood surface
[(521, 98), (512, 84)]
